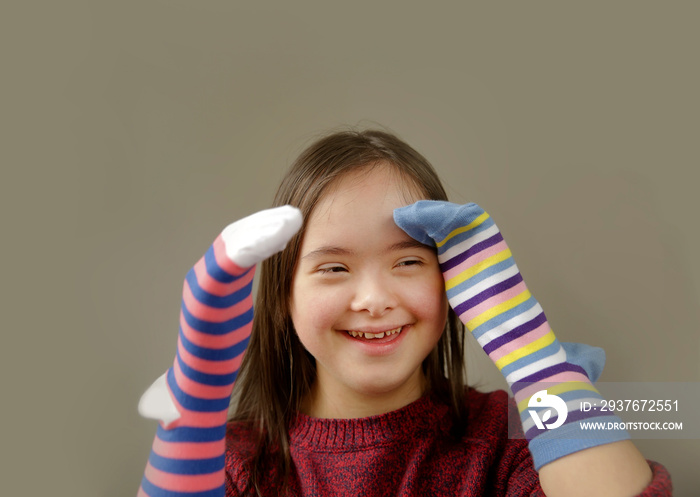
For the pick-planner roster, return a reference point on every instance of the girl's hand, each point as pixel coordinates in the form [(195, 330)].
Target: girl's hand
[(192, 398), (431, 221), (260, 235), (247, 242), (488, 293)]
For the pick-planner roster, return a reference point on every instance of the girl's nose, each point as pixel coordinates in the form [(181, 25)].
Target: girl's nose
[(373, 295)]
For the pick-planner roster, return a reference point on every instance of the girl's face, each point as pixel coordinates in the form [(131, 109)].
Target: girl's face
[(360, 276)]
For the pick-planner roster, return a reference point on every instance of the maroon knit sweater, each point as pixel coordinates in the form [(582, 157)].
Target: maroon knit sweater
[(408, 452)]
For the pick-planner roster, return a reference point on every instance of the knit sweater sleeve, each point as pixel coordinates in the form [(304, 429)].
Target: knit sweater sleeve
[(515, 474), (520, 481), (520, 478)]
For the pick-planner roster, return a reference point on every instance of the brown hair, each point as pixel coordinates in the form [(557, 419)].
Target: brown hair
[(277, 372)]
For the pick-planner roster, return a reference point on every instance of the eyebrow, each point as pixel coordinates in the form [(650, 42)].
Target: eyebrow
[(336, 250), (328, 250), (408, 244)]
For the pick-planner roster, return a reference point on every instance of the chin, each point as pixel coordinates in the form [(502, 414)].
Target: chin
[(391, 388)]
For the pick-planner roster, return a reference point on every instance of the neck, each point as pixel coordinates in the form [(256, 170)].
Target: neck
[(329, 403)]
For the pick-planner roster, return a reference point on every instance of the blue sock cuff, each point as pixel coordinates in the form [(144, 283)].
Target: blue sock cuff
[(571, 438)]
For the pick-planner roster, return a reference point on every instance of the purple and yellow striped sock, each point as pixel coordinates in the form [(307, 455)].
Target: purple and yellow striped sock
[(187, 456), (488, 293)]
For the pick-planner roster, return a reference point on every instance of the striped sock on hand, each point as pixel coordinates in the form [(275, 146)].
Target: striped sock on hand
[(215, 323), (216, 317), (488, 293)]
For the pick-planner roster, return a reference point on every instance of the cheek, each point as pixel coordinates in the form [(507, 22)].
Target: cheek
[(429, 300), (435, 309), (313, 310)]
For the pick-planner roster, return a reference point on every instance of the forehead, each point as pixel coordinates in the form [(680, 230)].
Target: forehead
[(376, 186), (357, 211)]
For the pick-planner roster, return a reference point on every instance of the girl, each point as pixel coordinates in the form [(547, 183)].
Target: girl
[(353, 378)]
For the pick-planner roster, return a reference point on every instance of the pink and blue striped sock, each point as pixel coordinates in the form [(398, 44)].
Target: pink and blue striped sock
[(488, 293), (187, 456)]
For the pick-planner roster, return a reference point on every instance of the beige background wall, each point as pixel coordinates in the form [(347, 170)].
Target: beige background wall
[(132, 132)]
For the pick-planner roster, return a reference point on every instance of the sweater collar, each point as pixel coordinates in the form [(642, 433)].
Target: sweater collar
[(418, 418)]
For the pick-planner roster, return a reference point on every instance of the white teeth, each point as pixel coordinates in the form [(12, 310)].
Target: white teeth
[(368, 335)]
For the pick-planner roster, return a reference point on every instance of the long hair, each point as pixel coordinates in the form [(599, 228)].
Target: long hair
[(277, 372)]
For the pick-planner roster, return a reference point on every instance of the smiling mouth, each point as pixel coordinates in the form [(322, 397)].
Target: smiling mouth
[(371, 336)]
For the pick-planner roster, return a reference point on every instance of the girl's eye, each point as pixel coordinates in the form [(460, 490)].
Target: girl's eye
[(410, 262), (331, 269)]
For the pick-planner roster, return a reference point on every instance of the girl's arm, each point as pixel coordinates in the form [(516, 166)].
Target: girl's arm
[(191, 399), (487, 291)]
